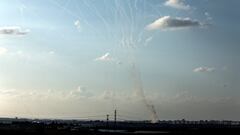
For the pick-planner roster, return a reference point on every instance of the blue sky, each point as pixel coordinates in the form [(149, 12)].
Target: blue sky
[(76, 57)]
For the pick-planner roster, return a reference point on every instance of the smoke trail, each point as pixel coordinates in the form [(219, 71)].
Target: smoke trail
[(125, 29), (140, 92)]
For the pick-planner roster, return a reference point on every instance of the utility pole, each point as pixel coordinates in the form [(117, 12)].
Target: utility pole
[(115, 115), (107, 121), (115, 118)]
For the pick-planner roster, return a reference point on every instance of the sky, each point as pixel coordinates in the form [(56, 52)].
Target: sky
[(85, 58)]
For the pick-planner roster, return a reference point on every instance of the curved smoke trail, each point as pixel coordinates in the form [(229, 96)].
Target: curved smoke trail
[(140, 92)]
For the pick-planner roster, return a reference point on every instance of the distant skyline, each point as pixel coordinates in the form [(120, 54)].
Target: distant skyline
[(74, 58)]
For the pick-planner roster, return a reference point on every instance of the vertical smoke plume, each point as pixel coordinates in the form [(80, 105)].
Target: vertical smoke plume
[(139, 91)]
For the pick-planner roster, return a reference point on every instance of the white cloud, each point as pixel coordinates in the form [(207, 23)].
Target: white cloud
[(81, 92), (77, 24), (171, 23), (105, 57), (204, 69), (13, 30), (177, 4), (3, 50), (209, 18)]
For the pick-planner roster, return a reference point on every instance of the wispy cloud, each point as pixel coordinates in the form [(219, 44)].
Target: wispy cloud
[(148, 40), (3, 51), (172, 23), (204, 69), (105, 57), (13, 30), (177, 4), (209, 18)]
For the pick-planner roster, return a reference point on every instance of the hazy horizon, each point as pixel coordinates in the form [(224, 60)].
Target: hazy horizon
[(79, 58)]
